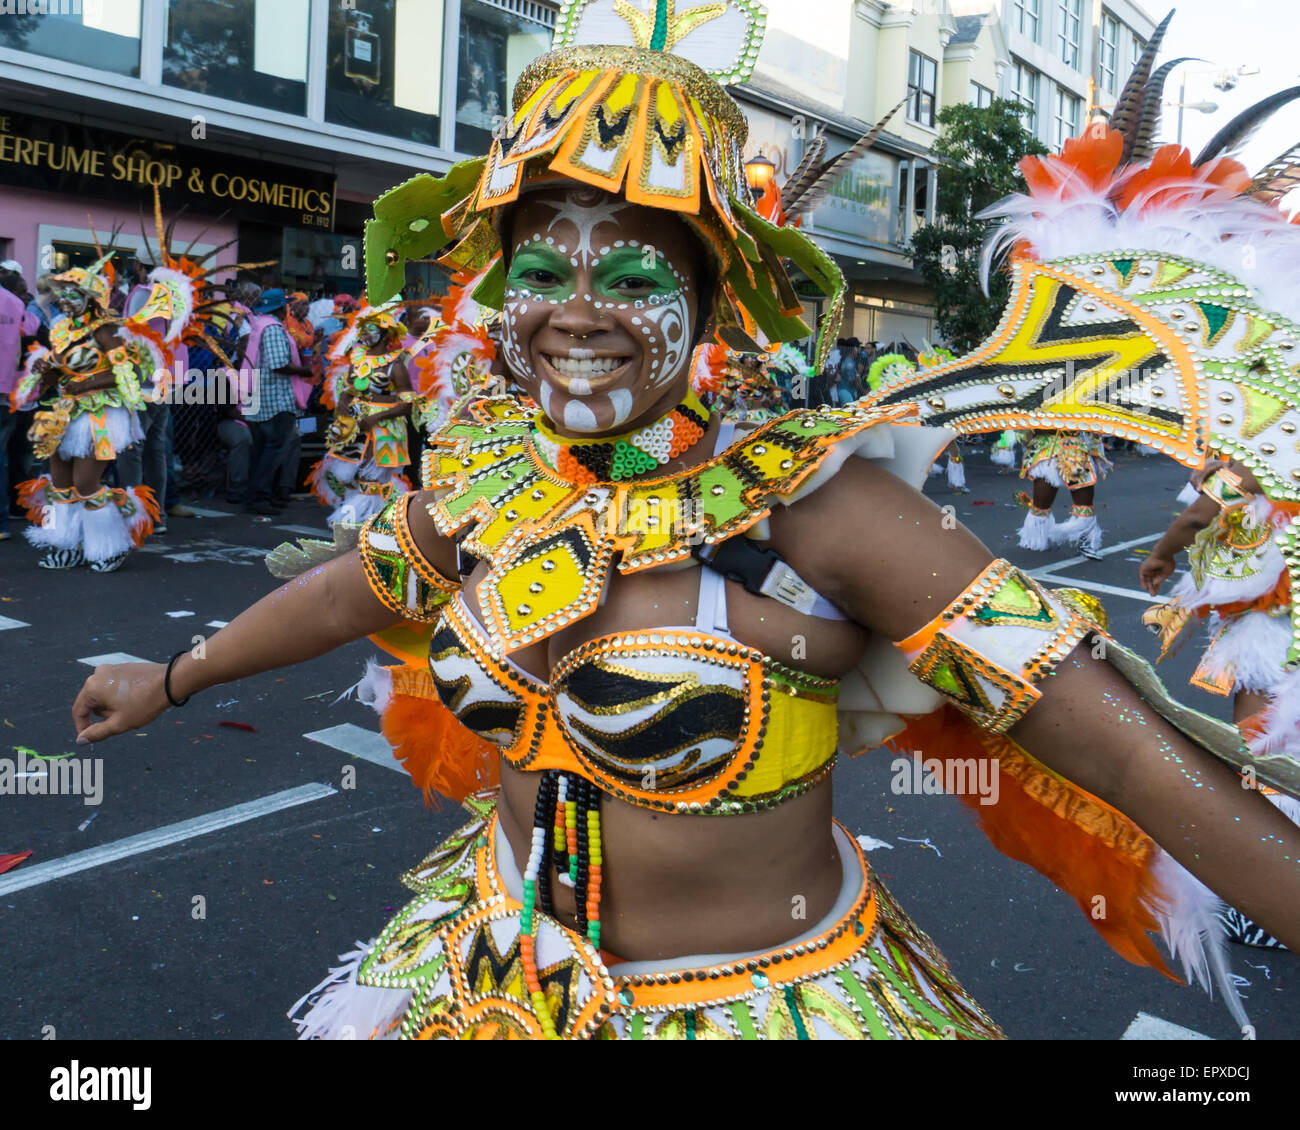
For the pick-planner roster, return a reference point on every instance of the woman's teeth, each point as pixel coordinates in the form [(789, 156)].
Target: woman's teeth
[(585, 368)]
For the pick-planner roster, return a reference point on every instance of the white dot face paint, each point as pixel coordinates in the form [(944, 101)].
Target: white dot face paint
[(598, 329)]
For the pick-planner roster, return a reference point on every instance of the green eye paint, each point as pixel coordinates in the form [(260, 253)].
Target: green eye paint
[(531, 265), (623, 273)]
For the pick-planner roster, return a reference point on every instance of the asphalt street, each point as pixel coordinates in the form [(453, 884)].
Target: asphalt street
[(228, 864)]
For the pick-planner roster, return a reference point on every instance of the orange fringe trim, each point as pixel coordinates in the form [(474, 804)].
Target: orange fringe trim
[(150, 503), (1078, 841), (440, 754)]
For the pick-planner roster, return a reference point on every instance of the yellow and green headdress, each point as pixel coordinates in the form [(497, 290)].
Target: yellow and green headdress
[(629, 101), (96, 280)]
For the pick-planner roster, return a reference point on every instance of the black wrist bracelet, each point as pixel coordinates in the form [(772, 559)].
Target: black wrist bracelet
[(167, 681)]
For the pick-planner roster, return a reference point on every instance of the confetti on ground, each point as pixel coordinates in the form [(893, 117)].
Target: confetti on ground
[(870, 843), (9, 724), (981, 503), (86, 822), (228, 702), (178, 615), (925, 843), (239, 726), (9, 862)]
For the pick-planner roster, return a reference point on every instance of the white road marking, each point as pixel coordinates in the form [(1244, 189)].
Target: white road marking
[(6, 623), (1148, 1027), (199, 512), (324, 533), (1097, 586), (1055, 565), (182, 612), (359, 742), (161, 837), (216, 623), (111, 657)]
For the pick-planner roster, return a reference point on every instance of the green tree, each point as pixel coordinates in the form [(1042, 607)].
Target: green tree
[(977, 153)]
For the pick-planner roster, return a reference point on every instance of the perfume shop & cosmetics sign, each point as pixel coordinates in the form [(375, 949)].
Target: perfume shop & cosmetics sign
[(81, 161)]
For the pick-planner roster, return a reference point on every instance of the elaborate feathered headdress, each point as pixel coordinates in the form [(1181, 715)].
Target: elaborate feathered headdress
[(629, 101)]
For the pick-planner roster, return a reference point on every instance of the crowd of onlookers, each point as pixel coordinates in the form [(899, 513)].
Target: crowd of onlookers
[(250, 452)]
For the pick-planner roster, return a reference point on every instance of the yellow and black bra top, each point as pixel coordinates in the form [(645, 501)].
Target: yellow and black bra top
[(680, 719)]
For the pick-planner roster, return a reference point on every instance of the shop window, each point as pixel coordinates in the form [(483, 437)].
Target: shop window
[(498, 38), (103, 36), (252, 51), (384, 73)]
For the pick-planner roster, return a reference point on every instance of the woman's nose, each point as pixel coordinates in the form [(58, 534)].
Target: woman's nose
[(580, 317)]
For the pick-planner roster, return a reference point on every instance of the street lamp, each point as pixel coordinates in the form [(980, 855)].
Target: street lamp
[(759, 173), (1226, 79)]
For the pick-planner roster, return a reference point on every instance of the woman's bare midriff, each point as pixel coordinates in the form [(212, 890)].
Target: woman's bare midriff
[(679, 885)]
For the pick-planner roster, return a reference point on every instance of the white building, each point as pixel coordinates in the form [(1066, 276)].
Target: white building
[(1068, 57)]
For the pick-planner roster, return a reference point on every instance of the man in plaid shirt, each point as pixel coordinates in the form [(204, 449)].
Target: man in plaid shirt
[(276, 419)]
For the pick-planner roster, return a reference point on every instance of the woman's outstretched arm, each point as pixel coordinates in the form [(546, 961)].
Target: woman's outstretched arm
[(904, 561), (306, 617)]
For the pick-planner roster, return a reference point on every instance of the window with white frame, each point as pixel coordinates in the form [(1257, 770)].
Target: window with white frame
[(1024, 89), (980, 96), (1108, 52), (1027, 18), (1068, 32), (1067, 117), (922, 82), (1139, 45)]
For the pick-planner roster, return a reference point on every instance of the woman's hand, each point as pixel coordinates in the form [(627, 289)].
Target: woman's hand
[(1154, 571), (125, 695)]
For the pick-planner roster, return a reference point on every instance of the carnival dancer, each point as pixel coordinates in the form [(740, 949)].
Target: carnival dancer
[(633, 573), (367, 444), (1074, 461), (89, 384), (1002, 454), (1239, 587)]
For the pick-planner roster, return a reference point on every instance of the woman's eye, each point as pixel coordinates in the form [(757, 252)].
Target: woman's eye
[(635, 282), (540, 278)]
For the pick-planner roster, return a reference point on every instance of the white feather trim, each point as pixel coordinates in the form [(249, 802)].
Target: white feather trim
[(956, 474), (178, 280), (935, 469), (1252, 649), (374, 689), (1037, 532), (1079, 530), (123, 430), (60, 526), (1189, 924), (141, 519), (105, 534), (1045, 469), (1003, 456), (1214, 233), (340, 1009), (1280, 724)]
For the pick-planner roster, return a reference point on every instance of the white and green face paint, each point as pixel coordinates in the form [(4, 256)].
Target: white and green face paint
[(598, 328)]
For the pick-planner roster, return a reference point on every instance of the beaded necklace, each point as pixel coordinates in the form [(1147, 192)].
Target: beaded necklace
[(616, 458), (567, 814)]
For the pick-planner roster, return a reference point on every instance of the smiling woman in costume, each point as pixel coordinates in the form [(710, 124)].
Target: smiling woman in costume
[(613, 583)]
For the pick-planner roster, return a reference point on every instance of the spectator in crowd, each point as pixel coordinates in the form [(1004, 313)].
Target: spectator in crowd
[(16, 452), (274, 425), (15, 320)]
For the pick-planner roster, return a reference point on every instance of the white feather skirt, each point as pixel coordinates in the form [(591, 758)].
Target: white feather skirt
[(1252, 649), (956, 474), (123, 430)]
